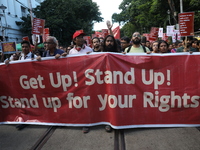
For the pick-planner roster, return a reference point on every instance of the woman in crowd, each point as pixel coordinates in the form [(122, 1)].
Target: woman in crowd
[(163, 46), (155, 47)]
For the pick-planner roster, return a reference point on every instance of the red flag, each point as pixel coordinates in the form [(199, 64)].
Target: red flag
[(153, 34), (88, 40), (94, 35), (165, 37), (25, 38), (98, 34), (147, 36), (104, 32), (45, 34), (116, 32)]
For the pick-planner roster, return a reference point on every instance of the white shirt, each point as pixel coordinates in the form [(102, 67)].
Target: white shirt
[(82, 51), (28, 56)]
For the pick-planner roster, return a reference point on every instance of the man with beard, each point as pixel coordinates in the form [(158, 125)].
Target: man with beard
[(110, 44), (96, 44), (187, 45), (136, 45)]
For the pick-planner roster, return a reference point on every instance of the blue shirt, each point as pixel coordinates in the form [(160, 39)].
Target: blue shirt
[(57, 51)]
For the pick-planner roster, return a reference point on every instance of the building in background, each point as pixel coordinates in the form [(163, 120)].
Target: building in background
[(11, 12)]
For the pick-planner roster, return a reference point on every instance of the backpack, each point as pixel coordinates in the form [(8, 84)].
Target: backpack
[(144, 48)]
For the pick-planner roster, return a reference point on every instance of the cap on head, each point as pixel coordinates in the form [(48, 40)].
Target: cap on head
[(78, 33)]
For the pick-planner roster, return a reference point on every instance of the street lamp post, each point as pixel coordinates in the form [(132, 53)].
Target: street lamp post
[(2, 7), (168, 12)]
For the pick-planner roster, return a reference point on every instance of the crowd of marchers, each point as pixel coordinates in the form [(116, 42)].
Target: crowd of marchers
[(136, 44)]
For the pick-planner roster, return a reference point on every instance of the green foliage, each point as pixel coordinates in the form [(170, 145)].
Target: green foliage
[(25, 25), (64, 17), (141, 15)]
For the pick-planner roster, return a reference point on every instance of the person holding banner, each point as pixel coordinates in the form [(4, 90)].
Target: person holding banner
[(79, 44), (51, 46), (195, 44), (125, 42), (26, 52), (96, 44), (187, 45), (13, 57), (163, 47), (155, 47), (136, 47), (110, 44)]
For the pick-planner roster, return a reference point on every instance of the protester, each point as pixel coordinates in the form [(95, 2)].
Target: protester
[(163, 46), (125, 42), (68, 48), (110, 44), (186, 45), (119, 45), (101, 40), (26, 53), (136, 45), (96, 44), (51, 46), (170, 48), (61, 47), (148, 45), (79, 44), (143, 40), (80, 48), (155, 47), (195, 44), (180, 44), (13, 57)]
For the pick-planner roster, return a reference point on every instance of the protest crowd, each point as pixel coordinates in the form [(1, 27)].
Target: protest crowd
[(106, 42), (109, 43)]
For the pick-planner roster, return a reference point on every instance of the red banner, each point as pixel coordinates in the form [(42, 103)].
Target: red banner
[(46, 33), (125, 91), (116, 32), (146, 35), (104, 33), (165, 37), (38, 26), (153, 34), (88, 40), (186, 23), (26, 38)]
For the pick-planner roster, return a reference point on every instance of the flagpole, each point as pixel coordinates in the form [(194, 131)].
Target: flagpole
[(31, 12), (181, 6)]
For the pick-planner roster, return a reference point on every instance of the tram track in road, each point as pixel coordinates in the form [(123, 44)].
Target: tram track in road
[(119, 141), (44, 138), (198, 128)]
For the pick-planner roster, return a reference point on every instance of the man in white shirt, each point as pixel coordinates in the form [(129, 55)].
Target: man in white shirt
[(26, 53), (79, 47)]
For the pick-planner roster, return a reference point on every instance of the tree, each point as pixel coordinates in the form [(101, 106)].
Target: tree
[(64, 17), (141, 15), (25, 25)]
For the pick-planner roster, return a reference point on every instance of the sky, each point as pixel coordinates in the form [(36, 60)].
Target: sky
[(107, 8)]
